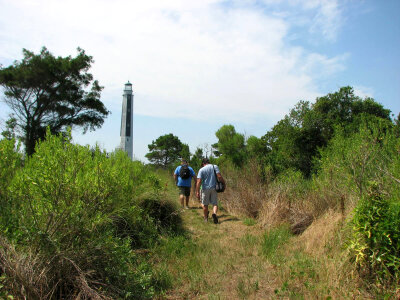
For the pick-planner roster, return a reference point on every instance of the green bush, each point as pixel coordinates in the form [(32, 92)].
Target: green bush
[(375, 245), (78, 211), (10, 163)]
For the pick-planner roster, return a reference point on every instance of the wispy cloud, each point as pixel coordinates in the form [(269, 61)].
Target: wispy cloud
[(183, 57)]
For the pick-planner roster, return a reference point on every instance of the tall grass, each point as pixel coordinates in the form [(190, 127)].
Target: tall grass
[(345, 169)]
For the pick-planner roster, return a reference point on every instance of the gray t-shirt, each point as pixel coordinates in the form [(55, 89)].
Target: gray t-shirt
[(207, 176)]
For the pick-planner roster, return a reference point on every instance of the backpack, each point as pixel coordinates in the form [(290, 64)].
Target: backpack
[(184, 172)]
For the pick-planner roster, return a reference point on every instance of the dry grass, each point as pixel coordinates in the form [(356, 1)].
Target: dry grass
[(27, 276), (30, 276), (316, 265), (226, 262), (246, 191)]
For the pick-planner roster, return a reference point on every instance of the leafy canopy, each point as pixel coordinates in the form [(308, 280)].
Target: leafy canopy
[(55, 92), (166, 150), (230, 144), (294, 141)]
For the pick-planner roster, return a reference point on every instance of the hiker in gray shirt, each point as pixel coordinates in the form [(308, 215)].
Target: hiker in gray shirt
[(206, 178)]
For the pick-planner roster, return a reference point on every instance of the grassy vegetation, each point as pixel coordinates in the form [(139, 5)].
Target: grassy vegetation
[(78, 223)]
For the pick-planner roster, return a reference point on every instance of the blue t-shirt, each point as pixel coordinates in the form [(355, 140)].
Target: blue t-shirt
[(207, 176), (187, 181)]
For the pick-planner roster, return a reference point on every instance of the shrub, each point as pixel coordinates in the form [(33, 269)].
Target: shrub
[(375, 245), (76, 210), (10, 163)]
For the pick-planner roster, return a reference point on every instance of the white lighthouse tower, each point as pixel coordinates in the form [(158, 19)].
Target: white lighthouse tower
[(127, 120)]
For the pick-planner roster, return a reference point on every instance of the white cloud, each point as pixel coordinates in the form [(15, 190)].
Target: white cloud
[(363, 91), (183, 57)]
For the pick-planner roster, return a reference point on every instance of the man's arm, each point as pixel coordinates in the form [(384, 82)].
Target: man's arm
[(176, 179), (198, 188), (221, 179)]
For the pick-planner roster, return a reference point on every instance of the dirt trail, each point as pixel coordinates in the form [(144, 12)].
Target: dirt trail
[(234, 268)]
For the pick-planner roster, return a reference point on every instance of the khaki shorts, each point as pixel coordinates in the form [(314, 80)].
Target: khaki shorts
[(209, 197), (184, 190)]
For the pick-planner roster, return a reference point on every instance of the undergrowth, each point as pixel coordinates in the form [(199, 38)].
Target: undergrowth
[(79, 223)]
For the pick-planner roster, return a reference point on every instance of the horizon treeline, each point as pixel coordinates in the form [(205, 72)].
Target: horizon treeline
[(293, 143)]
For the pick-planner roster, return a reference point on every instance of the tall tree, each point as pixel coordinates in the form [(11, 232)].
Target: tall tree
[(166, 150), (295, 140), (56, 92), (230, 144)]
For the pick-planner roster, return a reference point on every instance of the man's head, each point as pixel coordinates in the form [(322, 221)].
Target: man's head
[(183, 161), (205, 161)]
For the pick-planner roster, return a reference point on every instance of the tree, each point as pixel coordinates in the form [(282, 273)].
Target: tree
[(295, 140), (55, 92), (196, 159), (166, 150), (230, 144), (9, 132)]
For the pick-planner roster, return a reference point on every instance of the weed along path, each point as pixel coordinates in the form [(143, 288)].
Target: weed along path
[(219, 261)]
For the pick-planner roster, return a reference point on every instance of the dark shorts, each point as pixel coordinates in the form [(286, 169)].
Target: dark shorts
[(184, 190)]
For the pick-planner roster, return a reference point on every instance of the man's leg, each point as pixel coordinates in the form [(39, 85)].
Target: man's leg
[(205, 212), (187, 201), (214, 202), (182, 199), (204, 203)]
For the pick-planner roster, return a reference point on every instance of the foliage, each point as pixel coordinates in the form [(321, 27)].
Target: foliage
[(286, 143), (11, 124), (10, 163), (376, 241), (44, 90), (195, 161), (273, 239), (82, 211), (230, 145), (294, 141), (166, 150), (350, 162)]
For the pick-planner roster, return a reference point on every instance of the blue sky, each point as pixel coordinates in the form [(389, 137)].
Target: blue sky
[(197, 65)]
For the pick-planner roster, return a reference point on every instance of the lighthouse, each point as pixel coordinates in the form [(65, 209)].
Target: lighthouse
[(127, 120)]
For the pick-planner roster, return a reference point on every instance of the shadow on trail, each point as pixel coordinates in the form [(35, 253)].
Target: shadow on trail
[(229, 219)]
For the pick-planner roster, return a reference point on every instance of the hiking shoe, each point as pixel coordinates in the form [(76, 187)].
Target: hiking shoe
[(214, 216), (187, 207), (206, 219)]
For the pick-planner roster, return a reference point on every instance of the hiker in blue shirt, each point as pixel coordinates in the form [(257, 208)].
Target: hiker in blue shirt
[(207, 179), (183, 179)]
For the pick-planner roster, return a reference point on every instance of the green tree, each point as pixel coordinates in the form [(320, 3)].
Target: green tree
[(185, 152), (255, 147), (285, 142), (55, 92), (9, 132), (295, 140), (165, 150), (230, 145), (195, 161)]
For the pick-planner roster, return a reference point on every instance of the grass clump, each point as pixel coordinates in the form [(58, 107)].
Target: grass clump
[(273, 239), (249, 221)]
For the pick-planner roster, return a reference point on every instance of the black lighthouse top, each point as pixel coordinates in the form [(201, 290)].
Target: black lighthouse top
[(128, 86)]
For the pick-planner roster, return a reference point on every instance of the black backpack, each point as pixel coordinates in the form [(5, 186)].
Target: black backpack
[(184, 172)]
